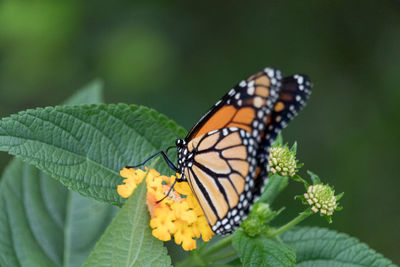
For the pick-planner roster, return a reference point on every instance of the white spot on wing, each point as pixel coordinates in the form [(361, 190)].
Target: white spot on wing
[(212, 132), (250, 90)]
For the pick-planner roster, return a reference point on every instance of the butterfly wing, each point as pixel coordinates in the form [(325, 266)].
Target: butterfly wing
[(249, 101), (226, 158), (220, 171)]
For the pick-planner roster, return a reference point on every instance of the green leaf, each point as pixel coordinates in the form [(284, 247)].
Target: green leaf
[(41, 222), (22, 239), (128, 240), (316, 246), (294, 147), (262, 251), (86, 220), (92, 93), (298, 178), (274, 186), (314, 178), (278, 141), (86, 146)]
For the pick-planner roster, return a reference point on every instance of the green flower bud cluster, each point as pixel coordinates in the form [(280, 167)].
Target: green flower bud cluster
[(283, 161), (258, 220), (321, 198)]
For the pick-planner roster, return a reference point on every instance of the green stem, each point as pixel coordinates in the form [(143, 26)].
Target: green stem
[(224, 255), (303, 215), (198, 256), (220, 244), (193, 260)]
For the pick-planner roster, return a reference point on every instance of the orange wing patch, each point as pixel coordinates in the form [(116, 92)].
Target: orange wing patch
[(239, 152), (231, 140), (229, 116), (193, 143), (262, 80), (240, 166), (209, 141), (244, 115), (262, 91), (219, 119), (213, 162), (243, 119), (279, 106)]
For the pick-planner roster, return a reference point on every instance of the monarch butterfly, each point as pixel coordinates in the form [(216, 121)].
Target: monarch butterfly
[(224, 157)]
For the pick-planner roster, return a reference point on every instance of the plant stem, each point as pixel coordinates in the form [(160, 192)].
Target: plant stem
[(303, 215), (220, 244), (197, 257), (224, 255), (193, 260)]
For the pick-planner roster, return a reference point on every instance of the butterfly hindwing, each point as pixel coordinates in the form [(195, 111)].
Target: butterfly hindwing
[(220, 169)]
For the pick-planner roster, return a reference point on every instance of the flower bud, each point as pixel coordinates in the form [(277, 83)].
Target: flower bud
[(321, 198), (257, 222), (282, 161)]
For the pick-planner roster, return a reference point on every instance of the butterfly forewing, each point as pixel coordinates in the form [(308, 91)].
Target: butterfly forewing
[(249, 101)]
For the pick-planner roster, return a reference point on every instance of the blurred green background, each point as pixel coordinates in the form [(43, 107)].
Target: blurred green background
[(180, 57)]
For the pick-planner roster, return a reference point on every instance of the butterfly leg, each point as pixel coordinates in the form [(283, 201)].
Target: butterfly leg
[(167, 160), (169, 191)]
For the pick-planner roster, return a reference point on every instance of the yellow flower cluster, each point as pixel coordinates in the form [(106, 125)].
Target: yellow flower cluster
[(179, 215)]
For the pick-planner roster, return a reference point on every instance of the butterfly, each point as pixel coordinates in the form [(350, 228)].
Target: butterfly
[(224, 157)]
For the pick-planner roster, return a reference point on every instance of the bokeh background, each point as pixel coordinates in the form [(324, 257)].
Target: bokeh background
[(180, 57)]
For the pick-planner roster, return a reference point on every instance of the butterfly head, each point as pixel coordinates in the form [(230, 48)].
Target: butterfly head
[(180, 143)]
